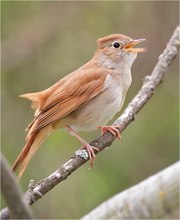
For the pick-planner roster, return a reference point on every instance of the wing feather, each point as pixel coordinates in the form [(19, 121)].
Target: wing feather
[(69, 97)]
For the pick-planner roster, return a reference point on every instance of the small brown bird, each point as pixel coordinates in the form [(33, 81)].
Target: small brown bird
[(85, 99)]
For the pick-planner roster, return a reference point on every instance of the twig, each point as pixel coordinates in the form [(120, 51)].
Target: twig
[(12, 193), (150, 83), (155, 197)]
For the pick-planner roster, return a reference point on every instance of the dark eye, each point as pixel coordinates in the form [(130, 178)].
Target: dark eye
[(116, 44)]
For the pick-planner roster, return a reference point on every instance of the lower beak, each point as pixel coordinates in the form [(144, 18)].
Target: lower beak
[(130, 46)]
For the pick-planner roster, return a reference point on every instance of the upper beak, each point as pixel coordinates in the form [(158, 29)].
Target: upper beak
[(130, 46)]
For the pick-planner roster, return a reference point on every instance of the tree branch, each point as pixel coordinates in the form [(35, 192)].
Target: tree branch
[(155, 197), (150, 83), (12, 193)]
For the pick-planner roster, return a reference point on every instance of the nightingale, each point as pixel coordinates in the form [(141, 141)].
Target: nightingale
[(85, 99)]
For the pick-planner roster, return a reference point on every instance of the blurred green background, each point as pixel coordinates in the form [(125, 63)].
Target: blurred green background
[(44, 41)]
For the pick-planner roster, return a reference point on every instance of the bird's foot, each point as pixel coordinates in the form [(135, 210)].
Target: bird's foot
[(113, 129), (90, 149)]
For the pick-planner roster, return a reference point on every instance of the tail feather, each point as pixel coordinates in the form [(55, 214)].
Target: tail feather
[(33, 143), (24, 152), (34, 97), (37, 99)]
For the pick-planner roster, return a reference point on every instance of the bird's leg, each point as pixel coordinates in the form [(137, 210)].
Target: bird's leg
[(113, 129), (90, 149)]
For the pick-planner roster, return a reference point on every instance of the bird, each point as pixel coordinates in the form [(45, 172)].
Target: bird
[(84, 100)]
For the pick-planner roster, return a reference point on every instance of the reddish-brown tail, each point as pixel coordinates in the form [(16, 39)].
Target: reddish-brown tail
[(34, 141)]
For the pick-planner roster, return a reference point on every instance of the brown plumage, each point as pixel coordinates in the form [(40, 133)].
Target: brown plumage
[(73, 101)]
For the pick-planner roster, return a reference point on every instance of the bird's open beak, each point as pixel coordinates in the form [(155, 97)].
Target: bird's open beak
[(130, 46)]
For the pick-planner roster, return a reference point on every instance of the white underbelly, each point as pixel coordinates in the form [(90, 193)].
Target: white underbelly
[(99, 110)]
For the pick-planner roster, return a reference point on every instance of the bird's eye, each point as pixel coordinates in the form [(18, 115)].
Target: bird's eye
[(116, 44)]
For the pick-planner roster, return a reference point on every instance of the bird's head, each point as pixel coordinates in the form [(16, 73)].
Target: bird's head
[(118, 48)]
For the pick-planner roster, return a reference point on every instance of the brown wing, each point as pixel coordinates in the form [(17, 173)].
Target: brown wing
[(73, 93)]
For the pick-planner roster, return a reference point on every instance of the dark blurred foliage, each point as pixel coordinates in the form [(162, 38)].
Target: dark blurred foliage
[(44, 41)]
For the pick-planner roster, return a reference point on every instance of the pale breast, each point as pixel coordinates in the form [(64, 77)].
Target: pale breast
[(100, 109)]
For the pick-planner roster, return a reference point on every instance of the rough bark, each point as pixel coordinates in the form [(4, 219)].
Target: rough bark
[(154, 198)]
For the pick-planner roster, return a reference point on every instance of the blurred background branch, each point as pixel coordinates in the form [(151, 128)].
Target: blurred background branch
[(149, 85), (12, 193), (154, 198)]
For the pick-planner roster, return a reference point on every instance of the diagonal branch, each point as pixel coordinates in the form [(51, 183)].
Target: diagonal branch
[(150, 83)]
